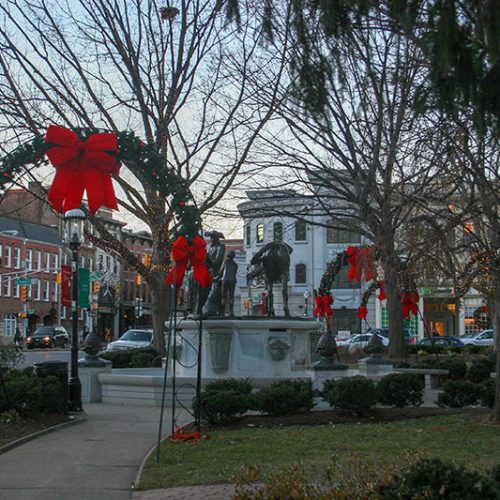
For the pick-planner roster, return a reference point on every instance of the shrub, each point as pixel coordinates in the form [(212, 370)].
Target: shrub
[(143, 357), (224, 400), (458, 393), (480, 369), (285, 397), (26, 393), (401, 389), (432, 478), (9, 357), (455, 365), (487, 393), (354, 394)]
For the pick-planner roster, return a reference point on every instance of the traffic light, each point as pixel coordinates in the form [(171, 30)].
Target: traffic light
[(139, 279), (96, 287), (147, 259), (24, 293)]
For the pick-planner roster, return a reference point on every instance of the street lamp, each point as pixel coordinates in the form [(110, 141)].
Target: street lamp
[(74, 232), (306, 300)]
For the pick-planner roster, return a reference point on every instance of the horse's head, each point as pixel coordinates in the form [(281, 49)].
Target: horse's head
[(255, 271)]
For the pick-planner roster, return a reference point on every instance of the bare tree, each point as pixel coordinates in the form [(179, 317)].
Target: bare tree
[(363, 154), (164, 71)]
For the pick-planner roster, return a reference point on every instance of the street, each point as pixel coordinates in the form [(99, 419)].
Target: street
[(36, 355)]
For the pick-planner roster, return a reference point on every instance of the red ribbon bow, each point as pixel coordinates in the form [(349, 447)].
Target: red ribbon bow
[(183, 254), (323, 305), (362, 260), (362, 312), (382, 294), (410, 303), (82, 166)]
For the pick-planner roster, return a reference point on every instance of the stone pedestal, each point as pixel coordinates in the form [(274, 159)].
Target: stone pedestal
[(88, 370), (319, 377), (374, 366)]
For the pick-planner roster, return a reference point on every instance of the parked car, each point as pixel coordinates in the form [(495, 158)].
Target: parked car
[(360, 341), (410, 337), (486, 337), (48, 337), (132, 339), (441, 341)]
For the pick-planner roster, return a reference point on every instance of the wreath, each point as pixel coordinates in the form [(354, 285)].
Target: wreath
[(125, 148), (482, 317), (362, 261)]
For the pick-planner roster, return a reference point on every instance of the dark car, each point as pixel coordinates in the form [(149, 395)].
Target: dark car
[(47, 337), (409, 335), (441, 341)]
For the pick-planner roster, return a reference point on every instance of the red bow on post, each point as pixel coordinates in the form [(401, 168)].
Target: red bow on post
[(183, 254), (410, 303), (382, 295), (362, 312), (323, 305), (82, 166)]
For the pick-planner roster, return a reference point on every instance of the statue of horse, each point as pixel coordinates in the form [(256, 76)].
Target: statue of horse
[(272, 264)]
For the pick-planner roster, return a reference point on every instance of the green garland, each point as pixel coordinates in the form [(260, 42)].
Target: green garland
[(148, 166), (482, 317)]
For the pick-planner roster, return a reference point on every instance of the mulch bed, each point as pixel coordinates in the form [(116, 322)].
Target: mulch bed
[(326, 417), (13, 429)]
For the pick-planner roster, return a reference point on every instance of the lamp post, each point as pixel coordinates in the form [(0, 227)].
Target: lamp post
[(306, 301), (74, 232)]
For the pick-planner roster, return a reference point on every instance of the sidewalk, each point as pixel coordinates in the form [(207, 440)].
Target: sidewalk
[(96, 459)]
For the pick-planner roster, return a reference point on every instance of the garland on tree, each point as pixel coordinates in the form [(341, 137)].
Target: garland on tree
[(147, 163)]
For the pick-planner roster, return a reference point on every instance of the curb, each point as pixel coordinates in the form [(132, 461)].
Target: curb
[(35, 435)]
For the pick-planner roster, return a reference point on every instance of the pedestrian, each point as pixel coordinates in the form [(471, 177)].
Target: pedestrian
[(108, 334), (18, 340), (435, 333)]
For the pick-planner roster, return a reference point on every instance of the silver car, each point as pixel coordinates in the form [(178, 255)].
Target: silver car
[(132, 339), (486, 337)]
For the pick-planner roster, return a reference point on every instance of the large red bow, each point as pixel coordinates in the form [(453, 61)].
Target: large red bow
[(323, 305), (362, 260), (183, 254), (82, 166), (410, 303)]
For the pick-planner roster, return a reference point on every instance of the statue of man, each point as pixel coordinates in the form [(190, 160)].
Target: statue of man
[(229, 283)]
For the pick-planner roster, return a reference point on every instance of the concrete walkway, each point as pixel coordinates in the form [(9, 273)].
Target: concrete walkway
[(96, 459)]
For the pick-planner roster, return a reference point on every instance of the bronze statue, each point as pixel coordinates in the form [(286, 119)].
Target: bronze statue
[(272, 263), (228, 283)]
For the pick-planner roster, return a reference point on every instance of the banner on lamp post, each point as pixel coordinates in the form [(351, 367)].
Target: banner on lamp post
[(66, 275), (84, 288)]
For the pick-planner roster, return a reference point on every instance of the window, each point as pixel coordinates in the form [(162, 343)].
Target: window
[(82, 261), (91, 264), (8, 256), (300, 274), (46, 290), (46, 262), (0, 285), (108, 262), (17, 291), (55, 292), (339, 234), (259, 232), (300, 230), (29, 260), (63, 312), (100, 258), (6, 286), (38, 260), (347, 320), (248, 231), (36, 287), (1, 248), (341, 280), (278, 231), (55, 263), (17, 258), (10, 324)]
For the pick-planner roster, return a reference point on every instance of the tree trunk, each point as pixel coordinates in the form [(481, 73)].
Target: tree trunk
[(394, 309), (160, 306), (496, 329)]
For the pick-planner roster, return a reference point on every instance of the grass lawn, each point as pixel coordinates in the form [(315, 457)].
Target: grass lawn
[(376, 446)]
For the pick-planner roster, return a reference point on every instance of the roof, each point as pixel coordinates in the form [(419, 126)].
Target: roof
[(29, 231)]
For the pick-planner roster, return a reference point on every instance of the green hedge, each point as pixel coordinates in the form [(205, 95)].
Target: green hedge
[(145, 357), (353, 394), (285, 397), (27, 393), (401, 389)]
